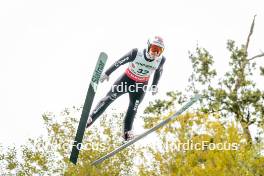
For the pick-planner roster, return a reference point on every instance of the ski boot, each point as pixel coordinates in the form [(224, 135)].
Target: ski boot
[(128, 135)]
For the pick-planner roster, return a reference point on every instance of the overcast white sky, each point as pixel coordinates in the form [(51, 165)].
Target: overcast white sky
[(48, 49)]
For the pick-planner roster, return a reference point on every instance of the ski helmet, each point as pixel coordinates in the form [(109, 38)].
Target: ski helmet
[(156, 44)]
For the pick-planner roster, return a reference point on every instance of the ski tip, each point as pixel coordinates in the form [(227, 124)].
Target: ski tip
[(73, 161), (103, 54)]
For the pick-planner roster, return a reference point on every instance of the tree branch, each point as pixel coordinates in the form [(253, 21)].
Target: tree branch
[(259, 55), (214, 111), (251, 122), (248, 116), (250, 33)]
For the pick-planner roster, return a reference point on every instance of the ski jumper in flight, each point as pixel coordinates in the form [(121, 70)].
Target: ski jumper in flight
[(142, 64)]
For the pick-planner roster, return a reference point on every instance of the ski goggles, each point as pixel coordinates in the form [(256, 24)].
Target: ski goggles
[(156, 49)]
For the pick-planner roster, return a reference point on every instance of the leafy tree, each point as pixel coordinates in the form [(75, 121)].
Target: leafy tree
[(227, 154), (234, 95), (50, 155)]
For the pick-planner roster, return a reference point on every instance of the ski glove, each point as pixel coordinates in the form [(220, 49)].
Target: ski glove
[(104, 77)]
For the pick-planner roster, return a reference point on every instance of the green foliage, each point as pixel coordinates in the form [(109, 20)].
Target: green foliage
[(50, 156), (202, 62), (237, 158), (235, 94), (261, 70)]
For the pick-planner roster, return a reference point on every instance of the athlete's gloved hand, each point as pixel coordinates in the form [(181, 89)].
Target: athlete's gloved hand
[(154, 90), (104, 77)]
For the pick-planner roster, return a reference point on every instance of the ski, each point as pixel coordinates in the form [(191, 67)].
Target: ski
[(87, 106), (186, 106)]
